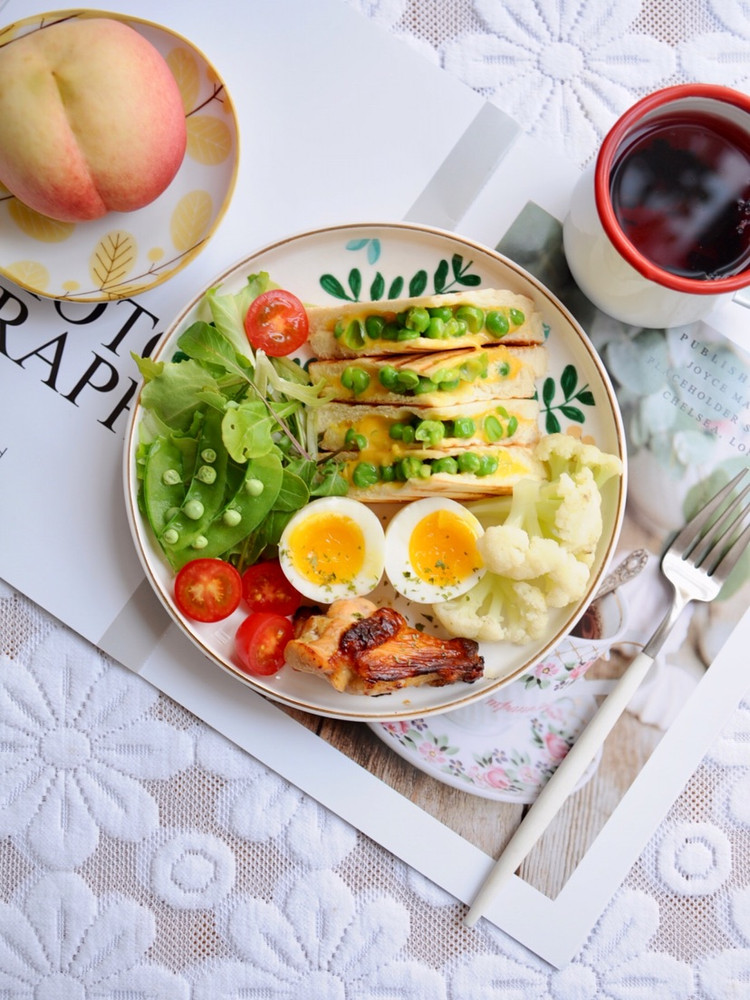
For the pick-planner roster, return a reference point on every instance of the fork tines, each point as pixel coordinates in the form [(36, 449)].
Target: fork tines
[(726, 528)]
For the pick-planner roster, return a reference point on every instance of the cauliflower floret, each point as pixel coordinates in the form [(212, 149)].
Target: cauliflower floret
[(566, 510), (565, 453), (496, 609), (569, 509), (509, 551)]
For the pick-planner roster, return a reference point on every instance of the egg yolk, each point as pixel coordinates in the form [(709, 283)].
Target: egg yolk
[(327, 548), (443, 549)]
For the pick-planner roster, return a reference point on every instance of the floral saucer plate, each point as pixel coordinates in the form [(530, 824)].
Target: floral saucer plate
[(494, 762), (127, 253)]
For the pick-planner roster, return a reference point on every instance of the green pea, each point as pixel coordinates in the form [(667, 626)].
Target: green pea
[(436, 329), (487, 465), (396, 431), (463, 427), (355, 440), (374, 326), (193, 509), (430, 431), (206, 474), (364, 474), (493, 429), (411, 467), (503, 369), (443, 375), (425, 385), (443, 313), (472, 316), (208, 455), (171, 536), (355, 335), (408, 435), (387, 377), (387, 473), (453, 328), (231, 517), (474, 368), (406, 380), (200, 542), (517, 318), (254, 487), (418, 319), (468, 462), (496, 323), (447, 465), (355, 379), (338, 330), (390, 331), (408, 334), (448, 386), (171, 477)]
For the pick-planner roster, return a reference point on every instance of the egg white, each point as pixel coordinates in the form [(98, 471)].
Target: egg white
[(357, 585), (399, 569)]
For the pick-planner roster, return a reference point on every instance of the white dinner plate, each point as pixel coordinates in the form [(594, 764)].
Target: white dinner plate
[(127, 253), (347, 262)]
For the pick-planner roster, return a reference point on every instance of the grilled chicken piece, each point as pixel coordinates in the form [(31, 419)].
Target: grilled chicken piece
[(362, 649)]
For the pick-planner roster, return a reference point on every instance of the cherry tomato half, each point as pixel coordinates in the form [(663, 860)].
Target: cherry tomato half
[(266, 588), (208, 590), (276, 322), (260, 642)]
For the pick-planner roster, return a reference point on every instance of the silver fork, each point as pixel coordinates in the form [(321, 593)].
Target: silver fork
[(696, 563)]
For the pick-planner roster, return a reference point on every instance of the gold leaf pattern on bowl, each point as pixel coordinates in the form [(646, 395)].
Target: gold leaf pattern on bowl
[(113, 258), (209, 140), (39, 227), (185, 70), (190, 220), (29, 272)]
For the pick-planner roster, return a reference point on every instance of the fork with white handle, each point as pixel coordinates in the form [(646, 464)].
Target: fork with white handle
[(696, 564)]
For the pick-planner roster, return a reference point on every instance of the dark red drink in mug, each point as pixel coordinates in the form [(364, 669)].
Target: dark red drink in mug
[(668, 201)]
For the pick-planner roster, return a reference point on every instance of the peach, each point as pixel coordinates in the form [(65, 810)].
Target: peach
[(91, 119)]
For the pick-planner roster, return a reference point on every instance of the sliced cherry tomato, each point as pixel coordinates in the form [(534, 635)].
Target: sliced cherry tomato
[(276, 322), (260, 642), (266, 588), (208, 590)]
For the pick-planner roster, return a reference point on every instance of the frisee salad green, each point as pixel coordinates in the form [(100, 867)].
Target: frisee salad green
[(227, 448)]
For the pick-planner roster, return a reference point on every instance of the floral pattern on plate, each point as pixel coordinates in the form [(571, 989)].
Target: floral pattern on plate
[(510, 766)]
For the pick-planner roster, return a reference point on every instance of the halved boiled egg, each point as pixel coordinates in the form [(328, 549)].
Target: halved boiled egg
[(431, 550), (333, 548)]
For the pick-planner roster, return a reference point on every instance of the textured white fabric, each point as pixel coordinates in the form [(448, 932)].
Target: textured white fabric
[(144, 856)]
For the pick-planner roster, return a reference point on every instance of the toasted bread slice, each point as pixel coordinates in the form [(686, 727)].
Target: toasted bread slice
[(438, 378), (512, 421), (359, 329), (511, 464)]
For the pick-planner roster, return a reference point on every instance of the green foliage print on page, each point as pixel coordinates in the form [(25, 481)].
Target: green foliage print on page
[(573, 398), (448, 275)]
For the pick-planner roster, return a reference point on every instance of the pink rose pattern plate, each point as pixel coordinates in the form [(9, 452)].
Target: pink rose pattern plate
[(509, 766)]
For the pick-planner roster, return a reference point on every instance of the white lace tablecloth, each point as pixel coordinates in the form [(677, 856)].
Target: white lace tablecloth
[(144, 856)]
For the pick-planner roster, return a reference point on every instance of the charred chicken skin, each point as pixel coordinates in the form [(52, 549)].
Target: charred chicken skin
[(362, 649)]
